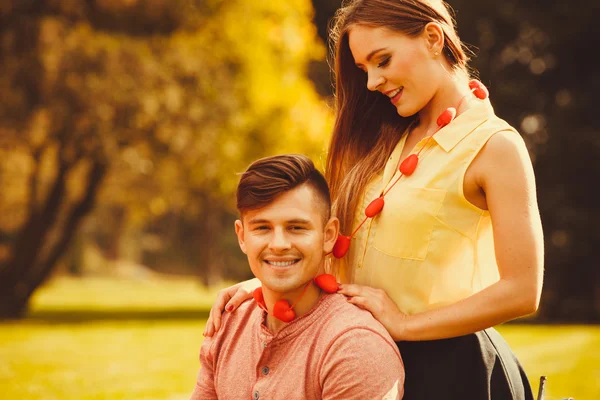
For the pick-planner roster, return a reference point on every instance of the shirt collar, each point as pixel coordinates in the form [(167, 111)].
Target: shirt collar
[(465, 123)]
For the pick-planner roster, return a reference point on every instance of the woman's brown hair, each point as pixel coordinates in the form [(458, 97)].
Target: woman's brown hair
[(367, 126)]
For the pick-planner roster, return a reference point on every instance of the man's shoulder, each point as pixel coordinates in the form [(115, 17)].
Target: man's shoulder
[(343, 317), (243, 317)]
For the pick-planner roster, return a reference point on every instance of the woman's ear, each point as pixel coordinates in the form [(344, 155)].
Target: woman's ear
[(434, 37), (332, 229), (239, 231)]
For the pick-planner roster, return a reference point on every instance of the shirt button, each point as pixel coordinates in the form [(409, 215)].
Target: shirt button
[(264, 344), (265, 370), (256, 395)]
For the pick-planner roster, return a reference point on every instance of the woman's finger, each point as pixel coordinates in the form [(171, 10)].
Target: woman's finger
[(237, 299), (361, 302), (350, 289), (214, 320), (208, 329)]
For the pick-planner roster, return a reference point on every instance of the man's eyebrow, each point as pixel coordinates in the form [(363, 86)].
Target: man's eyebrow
[(291, 221), (371, 54), (299, 221), (258, 221)]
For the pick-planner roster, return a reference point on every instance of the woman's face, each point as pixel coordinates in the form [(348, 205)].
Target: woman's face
[(400, 67)]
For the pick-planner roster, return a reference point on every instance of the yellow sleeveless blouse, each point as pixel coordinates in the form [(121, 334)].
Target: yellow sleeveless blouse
[(429, 246)]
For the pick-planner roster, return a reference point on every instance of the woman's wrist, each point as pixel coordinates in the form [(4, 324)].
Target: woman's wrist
[(402, 328)]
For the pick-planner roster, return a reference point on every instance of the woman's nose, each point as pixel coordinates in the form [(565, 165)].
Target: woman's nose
[(374, 81)]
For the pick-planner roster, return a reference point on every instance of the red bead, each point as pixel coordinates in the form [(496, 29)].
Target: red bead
[(259, 298), (446, 117), (375, 207), (478, 89), (342, 244), (481, 93), (283, 311), (327, 282), (474, 84), (409, 164)]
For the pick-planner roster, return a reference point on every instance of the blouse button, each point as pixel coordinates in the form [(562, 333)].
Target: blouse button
[(265, 370), (255, 395)]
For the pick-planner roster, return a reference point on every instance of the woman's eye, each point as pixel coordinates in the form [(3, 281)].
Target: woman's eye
[(384, 63)]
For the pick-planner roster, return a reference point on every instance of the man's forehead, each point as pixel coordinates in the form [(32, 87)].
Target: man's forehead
[(259, 220), (296, 205), (281, 214)]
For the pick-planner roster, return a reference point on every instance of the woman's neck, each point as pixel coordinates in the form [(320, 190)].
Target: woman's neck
[(454, 93)]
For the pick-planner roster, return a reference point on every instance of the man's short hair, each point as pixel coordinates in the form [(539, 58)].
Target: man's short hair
[(270, 177)]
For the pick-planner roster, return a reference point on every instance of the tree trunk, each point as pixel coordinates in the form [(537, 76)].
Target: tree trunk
[(24, 272)]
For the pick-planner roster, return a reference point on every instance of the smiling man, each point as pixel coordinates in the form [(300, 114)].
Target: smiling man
[(294, 340)]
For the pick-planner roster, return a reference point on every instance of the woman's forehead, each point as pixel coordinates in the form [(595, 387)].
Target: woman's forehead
[(365, 40)]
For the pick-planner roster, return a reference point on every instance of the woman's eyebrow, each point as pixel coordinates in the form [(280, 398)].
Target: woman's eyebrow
[(371, 54)]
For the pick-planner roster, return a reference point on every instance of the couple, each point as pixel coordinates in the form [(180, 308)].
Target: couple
[(440, 234)]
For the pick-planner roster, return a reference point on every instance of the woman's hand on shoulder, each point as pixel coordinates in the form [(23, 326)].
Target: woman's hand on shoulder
[(229, 299), (380, 305)]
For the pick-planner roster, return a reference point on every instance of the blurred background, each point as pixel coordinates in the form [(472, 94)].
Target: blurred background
[(124, 125)]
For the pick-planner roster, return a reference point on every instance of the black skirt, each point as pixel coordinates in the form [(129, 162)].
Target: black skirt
[(479, 366)]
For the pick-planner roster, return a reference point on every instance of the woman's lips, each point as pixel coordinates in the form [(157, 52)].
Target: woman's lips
[(395, 99)]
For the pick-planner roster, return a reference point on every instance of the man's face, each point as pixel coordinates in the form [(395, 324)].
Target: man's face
[(286, 241)]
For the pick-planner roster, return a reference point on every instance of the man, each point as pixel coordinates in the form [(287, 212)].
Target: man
[(329, 349)]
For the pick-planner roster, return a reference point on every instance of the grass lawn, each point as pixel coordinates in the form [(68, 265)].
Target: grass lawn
[(116, 339)]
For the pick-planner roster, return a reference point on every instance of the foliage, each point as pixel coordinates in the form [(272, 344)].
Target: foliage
[(157, 103)]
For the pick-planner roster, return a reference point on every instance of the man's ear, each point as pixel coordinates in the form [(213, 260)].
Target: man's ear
[(239, 231), (434, 36), (332, 229)]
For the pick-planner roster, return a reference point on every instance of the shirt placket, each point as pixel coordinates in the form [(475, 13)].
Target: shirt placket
[(389, 173), (263, 366)]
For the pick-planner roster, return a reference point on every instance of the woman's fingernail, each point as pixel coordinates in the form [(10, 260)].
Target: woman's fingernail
[(229, 307)]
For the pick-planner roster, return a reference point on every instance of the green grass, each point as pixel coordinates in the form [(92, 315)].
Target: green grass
[(569, 356), (116, 339)]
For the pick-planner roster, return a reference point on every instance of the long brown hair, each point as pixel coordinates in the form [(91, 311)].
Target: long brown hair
[(367, 126)]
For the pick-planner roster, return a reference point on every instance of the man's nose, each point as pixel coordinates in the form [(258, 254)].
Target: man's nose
[(279, 240)]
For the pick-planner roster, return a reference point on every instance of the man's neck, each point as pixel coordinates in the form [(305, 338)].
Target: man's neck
[(301, 307)]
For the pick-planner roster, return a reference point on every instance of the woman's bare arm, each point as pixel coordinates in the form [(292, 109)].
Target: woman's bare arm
[(506, 176)]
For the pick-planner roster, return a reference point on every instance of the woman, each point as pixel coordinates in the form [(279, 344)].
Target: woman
[(423, 257)]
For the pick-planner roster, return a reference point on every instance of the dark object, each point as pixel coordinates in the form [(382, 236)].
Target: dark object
[(480, 365)]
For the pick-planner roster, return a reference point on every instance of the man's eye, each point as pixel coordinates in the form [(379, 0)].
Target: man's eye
[(261, 228), (296, 228), (384, 62)]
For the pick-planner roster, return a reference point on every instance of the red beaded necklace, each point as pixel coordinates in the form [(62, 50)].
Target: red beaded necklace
[(282, 309), (407, 168)]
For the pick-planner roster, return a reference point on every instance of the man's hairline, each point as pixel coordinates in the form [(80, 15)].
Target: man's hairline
[(317, 198)]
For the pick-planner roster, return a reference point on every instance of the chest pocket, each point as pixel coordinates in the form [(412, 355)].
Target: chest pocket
[(406, 223)]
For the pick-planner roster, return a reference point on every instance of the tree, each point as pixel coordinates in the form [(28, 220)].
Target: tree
[(141, 102)]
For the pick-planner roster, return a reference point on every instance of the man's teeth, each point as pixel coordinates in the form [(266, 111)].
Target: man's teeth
[(395, 92), (282, 263)]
